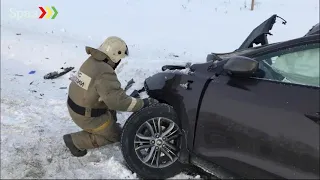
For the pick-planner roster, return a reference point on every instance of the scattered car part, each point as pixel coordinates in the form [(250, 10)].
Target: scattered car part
[(56, 74), (32, 72), (172, 67), (129, 84)]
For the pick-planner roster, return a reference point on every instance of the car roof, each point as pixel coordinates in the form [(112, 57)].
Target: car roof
[(251, 51)]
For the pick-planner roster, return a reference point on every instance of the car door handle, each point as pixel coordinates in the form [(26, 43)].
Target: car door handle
[(315, 117)]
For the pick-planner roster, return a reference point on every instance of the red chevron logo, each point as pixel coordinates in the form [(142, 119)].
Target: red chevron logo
[(43, 12)]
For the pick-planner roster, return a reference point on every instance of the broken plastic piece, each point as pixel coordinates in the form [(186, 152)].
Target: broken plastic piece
[(56, 74), (129, 84)]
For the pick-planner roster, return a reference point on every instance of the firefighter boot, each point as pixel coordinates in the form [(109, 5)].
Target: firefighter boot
[(73, 149)]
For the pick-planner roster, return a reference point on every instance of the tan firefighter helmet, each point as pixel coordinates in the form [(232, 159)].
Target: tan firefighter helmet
[(115, 48)]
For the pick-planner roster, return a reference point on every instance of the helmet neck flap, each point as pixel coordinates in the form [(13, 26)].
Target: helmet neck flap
[(111, 63)]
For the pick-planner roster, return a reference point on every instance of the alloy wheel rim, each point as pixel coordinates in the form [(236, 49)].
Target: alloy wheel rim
[(157, 142)]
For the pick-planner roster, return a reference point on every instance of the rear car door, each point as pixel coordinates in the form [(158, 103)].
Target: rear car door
[(265, 126)]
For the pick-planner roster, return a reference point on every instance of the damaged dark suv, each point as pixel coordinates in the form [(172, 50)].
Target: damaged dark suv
[(250, 113)]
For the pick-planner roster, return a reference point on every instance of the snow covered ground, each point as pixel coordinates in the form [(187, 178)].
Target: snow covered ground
[(34, 116)]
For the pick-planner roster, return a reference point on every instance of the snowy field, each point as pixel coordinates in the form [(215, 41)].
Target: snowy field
[(34, 115)]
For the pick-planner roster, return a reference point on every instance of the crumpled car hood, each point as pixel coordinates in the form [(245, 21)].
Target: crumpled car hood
[(259, 34)]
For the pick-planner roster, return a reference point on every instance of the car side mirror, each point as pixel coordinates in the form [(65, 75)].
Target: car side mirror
[(241, 66)]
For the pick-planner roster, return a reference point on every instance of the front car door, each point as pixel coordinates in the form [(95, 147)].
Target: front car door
[(265, 126)]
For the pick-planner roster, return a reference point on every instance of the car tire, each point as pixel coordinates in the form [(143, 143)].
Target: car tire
[(130, 140)]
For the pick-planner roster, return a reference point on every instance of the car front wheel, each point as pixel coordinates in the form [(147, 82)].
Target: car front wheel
[(151, 142)]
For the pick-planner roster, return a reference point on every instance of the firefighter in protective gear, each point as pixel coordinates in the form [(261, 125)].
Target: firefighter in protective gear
[(95, 94)]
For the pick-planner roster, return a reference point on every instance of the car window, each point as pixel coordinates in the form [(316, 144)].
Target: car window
[(298, 65)]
